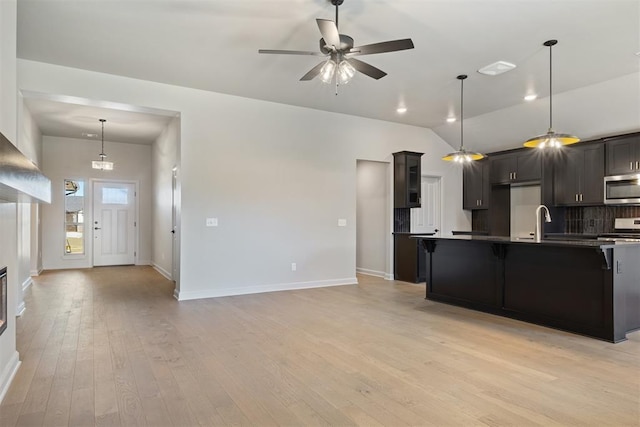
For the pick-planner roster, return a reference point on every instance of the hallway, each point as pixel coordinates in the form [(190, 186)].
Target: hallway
[(111, 346)]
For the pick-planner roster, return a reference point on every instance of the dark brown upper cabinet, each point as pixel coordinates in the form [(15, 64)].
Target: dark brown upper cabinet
[(475, 185), (623, 155), (516, 167), (407, 179), (579, 175)]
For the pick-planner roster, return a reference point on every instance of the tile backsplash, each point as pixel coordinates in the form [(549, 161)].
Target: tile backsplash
[(596, 219)]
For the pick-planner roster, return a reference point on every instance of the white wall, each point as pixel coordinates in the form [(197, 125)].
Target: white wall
[(277, 177), (164, 158), (524, 201), (30, 144), (8, 222), (372, 218), (69, 158)]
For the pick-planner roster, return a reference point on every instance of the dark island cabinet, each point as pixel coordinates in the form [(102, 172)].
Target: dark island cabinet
[(409, 259), (516, 167), (475, 185), (579, 176), (623, 155), (407, 179)]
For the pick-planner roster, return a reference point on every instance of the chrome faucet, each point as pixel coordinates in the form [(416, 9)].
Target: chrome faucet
[(547, 218)]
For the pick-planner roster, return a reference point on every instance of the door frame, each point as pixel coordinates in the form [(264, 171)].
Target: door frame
[(441, 196), (136, 233)]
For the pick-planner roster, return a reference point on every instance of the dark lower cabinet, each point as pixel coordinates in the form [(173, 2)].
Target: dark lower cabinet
[(409, 259)]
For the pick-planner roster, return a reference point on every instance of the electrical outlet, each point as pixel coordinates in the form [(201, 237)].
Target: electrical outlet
[(294, 267), (342, 222), (618, 267), (212, 222)]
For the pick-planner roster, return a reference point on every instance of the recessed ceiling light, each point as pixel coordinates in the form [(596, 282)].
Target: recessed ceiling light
[(530, 97), (451, 119), (89, 135), (497, 68), (401, 110)]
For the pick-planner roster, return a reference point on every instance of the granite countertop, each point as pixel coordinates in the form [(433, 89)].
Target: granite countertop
[(585, 243)]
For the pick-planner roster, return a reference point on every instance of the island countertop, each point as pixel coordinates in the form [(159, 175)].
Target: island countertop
[(587, 243)]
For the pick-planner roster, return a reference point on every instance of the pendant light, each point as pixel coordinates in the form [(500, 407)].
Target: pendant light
[(551, 138), (462, 155), (102, 164)]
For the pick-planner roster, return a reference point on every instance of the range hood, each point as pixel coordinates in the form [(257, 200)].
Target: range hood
[(20, 180)]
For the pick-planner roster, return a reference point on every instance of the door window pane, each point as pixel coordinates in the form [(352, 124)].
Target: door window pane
[(115, 196), (74, 217)]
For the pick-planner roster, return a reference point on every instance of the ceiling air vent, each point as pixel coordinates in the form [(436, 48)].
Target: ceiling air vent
[(497, 68)]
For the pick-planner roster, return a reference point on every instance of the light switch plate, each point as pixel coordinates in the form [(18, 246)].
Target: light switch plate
[(342, 222), (212, 222)]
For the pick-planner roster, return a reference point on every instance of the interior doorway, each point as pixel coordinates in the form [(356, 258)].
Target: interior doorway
[(427, 218), (114, 223), (373, 235), (175, 229)]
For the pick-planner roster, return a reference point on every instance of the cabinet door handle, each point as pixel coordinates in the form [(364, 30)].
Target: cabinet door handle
[(631, 165), (637, 165), (514, 175), (576, 197), (581, 196)]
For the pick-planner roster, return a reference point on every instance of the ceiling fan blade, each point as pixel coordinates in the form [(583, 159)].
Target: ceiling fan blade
[(290, 52), (313, 72), (367, 69), (390, 46), (329, 32)]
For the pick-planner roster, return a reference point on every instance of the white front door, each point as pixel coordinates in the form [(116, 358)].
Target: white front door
[(114, 223), (426, 218)]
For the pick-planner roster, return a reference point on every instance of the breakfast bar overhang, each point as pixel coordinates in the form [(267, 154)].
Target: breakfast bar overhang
[(586, 287)]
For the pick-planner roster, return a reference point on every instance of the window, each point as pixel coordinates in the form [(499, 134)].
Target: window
[(115, 196), (74, 217)]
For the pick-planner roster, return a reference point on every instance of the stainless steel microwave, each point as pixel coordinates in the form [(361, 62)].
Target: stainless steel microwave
[(622, 190)]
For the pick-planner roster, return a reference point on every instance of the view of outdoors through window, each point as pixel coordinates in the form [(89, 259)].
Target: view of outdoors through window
[(74, 217)]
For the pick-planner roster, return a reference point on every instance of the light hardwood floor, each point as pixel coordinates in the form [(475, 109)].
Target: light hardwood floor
[(110, 346)]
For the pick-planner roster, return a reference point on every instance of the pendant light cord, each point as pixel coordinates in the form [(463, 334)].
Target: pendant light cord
[(462, 114), (102, 155), (550, 88)]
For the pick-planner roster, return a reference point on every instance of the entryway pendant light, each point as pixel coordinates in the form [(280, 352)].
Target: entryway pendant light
[(462, 155), (551, 138), (102, 164)]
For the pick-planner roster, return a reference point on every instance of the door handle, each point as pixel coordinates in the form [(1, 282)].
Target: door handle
[(173, 231), (97, 228)]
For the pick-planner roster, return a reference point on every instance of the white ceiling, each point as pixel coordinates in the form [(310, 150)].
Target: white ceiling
[(213, 45), (77, 118)]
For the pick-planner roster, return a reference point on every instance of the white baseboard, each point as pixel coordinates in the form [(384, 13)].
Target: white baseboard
[(225, 292), (176, 294), (389, 276), (26, 284), (162, 271), (20, 309), (144, 262), (35, 273), (8, 374), (371, 272)]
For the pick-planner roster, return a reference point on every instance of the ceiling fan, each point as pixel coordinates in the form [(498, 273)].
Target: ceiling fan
[(341, 66)]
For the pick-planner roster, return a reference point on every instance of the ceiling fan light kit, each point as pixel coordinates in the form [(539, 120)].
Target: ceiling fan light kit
[(551, 139), (462, 155), (341, 66)]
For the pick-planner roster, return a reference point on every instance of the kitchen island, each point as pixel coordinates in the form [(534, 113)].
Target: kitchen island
[(587, 287)]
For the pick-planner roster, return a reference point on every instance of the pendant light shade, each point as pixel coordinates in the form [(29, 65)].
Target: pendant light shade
[(102, 164), (551, 138), (462, 155)]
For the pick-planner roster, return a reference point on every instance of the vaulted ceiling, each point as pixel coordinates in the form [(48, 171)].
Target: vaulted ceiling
[(213, 45)]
